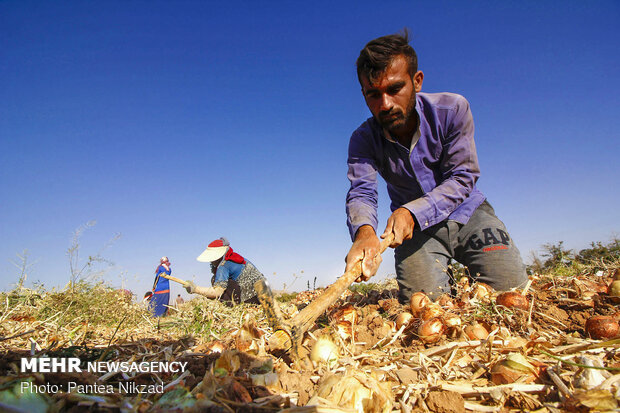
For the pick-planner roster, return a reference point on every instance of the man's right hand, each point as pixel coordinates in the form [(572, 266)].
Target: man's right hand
[(190, 287), (366, 248)]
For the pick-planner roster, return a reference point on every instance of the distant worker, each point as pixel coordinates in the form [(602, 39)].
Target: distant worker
[(233, 276), (161, 289), (179, 300), (422, 144)]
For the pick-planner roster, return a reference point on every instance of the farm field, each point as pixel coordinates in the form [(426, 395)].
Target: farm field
[(550, 347)]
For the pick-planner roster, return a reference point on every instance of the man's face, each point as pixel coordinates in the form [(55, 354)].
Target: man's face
[(391, 98)]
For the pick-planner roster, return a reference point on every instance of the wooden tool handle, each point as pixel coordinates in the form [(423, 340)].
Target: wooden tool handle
[(308, 315), (284, 340), (175, 279)]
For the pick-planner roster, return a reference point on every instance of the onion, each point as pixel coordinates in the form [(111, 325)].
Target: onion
[(614, 288), (418, 301), (431, 330), (482, 291), (243, 340), (512, 299), (476, 332), (324, 351), (431, 310), (451, 320), (601, 327), (403, 319), (445, 301)]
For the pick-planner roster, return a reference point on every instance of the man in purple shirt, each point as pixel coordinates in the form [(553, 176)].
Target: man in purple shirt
[(422, 145)]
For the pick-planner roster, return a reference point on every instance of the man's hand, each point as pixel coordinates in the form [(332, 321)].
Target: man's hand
[(401, 224), (366, 247), (190, 287)]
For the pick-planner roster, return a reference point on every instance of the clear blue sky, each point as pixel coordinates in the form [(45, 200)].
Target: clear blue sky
[(174, 123)]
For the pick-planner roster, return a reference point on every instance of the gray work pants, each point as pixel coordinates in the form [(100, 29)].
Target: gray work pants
[(482, 245)]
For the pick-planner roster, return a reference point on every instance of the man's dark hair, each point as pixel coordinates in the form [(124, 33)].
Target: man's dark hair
[(376, 56)]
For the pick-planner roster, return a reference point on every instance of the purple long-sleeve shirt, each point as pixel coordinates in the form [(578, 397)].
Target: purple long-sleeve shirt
[(435, 179)]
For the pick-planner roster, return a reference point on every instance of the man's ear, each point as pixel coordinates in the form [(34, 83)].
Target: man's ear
[(418, 78)]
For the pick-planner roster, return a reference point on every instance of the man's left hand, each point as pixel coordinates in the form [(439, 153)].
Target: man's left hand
[(401, 224)]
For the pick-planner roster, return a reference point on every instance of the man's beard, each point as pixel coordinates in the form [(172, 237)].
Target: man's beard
[(399, 120)]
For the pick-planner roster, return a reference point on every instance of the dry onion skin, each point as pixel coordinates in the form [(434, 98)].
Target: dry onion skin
[(431, 330), (418, 301), (512, 299), (602, 327), (347, 313), (515, 367)]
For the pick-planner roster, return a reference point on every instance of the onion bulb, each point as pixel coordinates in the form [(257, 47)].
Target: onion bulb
[(482, 291), (431, 330), (476, 332), (418, 301), (324, 351), (403, 319), (512, 299), (431, 310), (614, 288), (451, 320), (601, 327), (445, 301)]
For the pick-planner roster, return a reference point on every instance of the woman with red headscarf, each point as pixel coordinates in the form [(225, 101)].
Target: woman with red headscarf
[(158, 303), (233, 276)]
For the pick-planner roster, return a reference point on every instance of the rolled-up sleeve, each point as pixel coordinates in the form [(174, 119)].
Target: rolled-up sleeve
[(458, 168), (362, 198)]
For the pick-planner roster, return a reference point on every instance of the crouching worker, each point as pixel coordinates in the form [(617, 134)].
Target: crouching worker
[(158, 302), (233, 276)]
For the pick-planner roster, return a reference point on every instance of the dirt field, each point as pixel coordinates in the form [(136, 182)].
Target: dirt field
[(479, 356)]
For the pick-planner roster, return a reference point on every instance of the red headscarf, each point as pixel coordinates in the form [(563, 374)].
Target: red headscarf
[(230, 254)]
